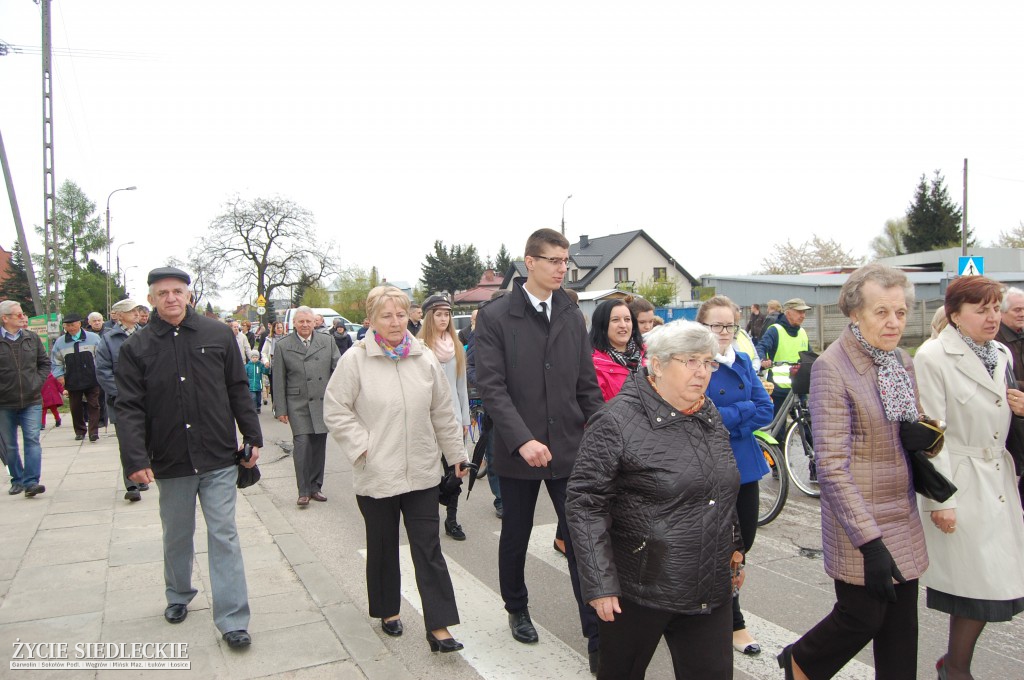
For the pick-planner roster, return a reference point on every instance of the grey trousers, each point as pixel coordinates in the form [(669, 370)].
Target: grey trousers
[(309, 456), (216, 492)]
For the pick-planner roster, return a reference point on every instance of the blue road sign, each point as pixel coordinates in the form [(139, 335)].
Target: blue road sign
[(970, 266)]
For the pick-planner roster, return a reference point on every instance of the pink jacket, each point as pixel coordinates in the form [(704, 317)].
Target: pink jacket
[(53, 393), (866, 489), (611, 374)]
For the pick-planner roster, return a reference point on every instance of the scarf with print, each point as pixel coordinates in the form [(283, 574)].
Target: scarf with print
[(987, 352), (628, 358), (399, 351), (894, 385)]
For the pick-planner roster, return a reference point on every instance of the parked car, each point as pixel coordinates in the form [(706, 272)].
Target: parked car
[(329, 316)]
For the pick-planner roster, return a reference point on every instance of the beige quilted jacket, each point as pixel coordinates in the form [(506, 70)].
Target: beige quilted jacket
[(866, 489)]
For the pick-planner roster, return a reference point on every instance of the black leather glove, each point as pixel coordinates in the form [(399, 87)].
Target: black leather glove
[(917, 436), (879, 570)]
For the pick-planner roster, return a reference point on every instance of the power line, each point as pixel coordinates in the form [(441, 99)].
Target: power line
[(8, 48)]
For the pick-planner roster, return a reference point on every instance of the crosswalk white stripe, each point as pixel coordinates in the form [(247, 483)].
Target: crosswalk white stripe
[(490, 648)]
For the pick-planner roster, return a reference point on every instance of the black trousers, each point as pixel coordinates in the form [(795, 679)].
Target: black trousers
[(747, 507), (857, 619), (519, 500), (75, 402), (700, 644), (383, 576)]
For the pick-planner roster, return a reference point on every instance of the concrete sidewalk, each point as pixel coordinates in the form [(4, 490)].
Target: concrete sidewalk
[(79, 564)]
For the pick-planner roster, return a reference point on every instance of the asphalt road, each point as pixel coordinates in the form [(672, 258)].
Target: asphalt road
[(786, 592)]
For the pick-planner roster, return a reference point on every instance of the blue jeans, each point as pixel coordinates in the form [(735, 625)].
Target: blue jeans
[(30, 419), (257, 400)]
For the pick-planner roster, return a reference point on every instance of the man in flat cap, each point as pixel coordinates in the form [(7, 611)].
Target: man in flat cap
[(127, 314), (74, 366), (180, 393), (782, 343)]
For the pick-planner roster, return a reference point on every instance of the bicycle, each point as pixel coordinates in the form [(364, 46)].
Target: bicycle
[(773, 489), (799, 449), (476, 423)]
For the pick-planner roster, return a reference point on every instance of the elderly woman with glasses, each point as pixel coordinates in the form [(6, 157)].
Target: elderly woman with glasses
[(744, 406), (652, 510), (864, 408)]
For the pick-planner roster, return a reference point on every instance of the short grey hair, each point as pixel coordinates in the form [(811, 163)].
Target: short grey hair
[(305, 310), (7, 307), (1004, 306), (95, 315), (680, 337), (851, 297)]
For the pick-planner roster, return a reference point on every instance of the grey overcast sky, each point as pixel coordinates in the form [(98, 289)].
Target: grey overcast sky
[(720, 128)]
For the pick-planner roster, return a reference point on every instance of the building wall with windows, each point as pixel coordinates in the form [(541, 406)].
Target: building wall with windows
[(638, 263)]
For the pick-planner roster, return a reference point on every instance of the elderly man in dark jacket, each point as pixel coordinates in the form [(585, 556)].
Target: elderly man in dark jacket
[(180, 392), (536, 377), (24, 366)]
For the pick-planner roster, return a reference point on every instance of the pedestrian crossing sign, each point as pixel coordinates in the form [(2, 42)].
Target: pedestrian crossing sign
[(970, 266)]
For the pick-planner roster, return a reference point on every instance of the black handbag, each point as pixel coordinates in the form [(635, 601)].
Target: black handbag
[(1015, 435), (928, 481), (246, 476)]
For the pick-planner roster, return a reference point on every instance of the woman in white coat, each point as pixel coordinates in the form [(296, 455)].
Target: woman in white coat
[(438, 333), (976, 538)]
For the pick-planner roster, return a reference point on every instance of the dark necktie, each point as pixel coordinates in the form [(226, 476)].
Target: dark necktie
[(544, 313)]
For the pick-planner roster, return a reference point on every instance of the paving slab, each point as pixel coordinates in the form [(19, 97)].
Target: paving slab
[(136, 552), (283, 611), (316, 641), (56, 576), (29, 605), (78, 519)]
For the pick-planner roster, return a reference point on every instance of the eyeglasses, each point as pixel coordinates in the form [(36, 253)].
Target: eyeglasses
[(553, 260), (718, 327), (696, 364)]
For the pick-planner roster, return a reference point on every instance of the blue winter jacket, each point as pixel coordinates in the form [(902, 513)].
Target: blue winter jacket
[(745, 406)]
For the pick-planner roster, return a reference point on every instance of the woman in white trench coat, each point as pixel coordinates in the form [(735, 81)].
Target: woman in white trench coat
[(976, 538)]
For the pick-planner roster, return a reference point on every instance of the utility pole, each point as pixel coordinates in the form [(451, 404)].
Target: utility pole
[(563, 212), (963, 226), (51, 273), (33, 286)]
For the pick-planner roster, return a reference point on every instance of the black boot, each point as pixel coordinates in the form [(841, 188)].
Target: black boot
[(451, 525)]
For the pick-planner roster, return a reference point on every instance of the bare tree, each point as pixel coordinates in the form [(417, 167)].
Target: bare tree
[(818, 253), (265, 244), (203, 272)]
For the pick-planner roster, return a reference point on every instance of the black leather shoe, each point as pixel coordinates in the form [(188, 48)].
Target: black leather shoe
[(176, 613), (393, 628), (444, 645), (237, 639), (94, 437), (454, 529), (522, 626), (79, 437), (34, 490), (595, 658), (15, 489), (143, 487), (133, 495)]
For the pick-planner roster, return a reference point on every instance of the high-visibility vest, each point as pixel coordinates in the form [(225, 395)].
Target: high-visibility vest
[(743, 343), (787, 352)]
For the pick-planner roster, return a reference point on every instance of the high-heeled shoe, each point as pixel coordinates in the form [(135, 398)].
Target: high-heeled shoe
[(443, 645), (393, 628), (786, 661), (940, 668)]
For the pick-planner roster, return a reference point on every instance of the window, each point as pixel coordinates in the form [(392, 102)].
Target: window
[(621, 274), (575, 273), (661, 273)]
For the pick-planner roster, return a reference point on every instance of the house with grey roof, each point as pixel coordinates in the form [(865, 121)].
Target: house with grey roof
[(617, 262)]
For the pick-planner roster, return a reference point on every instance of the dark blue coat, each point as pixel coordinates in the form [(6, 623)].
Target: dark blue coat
[(745, 406)]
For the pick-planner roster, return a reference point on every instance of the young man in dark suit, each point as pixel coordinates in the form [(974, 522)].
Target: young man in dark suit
[(536, 376)]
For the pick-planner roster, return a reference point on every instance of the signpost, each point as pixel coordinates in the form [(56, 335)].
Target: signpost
[(970, 266)]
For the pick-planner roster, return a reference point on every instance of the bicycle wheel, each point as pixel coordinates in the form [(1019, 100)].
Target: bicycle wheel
[(773, 487), (800, 459)]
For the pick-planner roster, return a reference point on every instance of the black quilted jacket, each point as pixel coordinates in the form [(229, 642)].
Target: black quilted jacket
[(651, 504)]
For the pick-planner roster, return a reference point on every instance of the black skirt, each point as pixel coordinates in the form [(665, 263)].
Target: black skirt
[(969, 608)]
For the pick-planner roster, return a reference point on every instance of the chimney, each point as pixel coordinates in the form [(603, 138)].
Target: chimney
[(584, 241)]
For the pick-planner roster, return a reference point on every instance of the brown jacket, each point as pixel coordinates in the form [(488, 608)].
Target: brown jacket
[(1014, 341), (866, 489)]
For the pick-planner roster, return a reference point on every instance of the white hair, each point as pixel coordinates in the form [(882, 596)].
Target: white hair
[(305, 310), (95, 315), (680, 337), (7, 307), (1005, 304)]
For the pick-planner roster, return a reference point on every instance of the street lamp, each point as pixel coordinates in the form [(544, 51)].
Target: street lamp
[(125, 281), (118, 269), (563, 212), (108, 239)]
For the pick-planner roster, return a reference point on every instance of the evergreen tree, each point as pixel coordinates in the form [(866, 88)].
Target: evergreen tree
[(933, 219), (86, 290), (15, 284), (452, 269), (77, 229), (305, 281), (502, 261)]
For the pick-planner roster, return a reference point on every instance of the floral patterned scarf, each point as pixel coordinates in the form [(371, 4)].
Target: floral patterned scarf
[(987, 352), (397, 352), (894, 386)]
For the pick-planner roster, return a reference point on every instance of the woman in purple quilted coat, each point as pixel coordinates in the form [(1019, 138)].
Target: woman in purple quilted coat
[(863, 395)]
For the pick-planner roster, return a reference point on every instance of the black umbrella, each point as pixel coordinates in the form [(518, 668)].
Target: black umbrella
[(478, 452)]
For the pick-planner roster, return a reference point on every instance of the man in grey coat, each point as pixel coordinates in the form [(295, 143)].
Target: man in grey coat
[(303, 363)]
